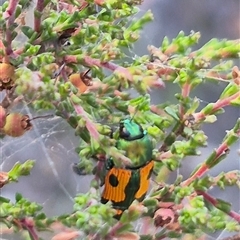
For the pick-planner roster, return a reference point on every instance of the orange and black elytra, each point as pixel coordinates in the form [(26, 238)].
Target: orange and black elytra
[(123, 186)]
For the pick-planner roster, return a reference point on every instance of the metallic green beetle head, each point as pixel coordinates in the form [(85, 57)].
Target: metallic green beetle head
[(135, 142), (130, 131)]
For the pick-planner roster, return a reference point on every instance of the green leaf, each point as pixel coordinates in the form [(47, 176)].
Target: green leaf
[(39, 224), (165, 43), (231, 89), (208, 109), (142, 102), (194, 106), (137, 25), (28, 31), (124, 228), (154, 131), (14, 172), (20, 169), (146, 237), (43, 59), (160, 193), (214, 160), (31, 50), (173, 234), (202, 184), (210, 119), (7, 223), (18, 197), (170, 139), (150, 202), (223, 206), (4, 200), (41, 216), (170, 111)]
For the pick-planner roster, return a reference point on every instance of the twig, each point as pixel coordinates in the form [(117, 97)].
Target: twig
[(185, 93), (214, 202), (96, 62), (29, 226), (38, 14), (217, 155), (89, 125), (222, 149), (9, 14), (113, 231), (216, 106)]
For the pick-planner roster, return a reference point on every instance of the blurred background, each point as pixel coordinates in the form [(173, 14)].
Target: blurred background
[(52, 142)]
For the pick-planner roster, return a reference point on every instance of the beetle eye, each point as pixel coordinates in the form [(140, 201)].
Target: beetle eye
[(124, 133)]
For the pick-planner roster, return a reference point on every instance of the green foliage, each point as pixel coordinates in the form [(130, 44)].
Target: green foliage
[(94, 35), (20, 170)]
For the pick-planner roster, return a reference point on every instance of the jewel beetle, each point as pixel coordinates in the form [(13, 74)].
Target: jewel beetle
[(123, 185)]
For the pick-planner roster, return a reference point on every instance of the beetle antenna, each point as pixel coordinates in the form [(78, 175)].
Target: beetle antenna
[(86, 72), (59, 70), (134, 113)]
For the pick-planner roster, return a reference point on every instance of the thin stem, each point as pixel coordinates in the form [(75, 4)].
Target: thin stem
[(214, 202), (113, 230), (38, 14), (164, 155), (9, 14), (177, 130), (185, 93), (96, 62), (89, 125), (222, 149), (29, 226), (110, 235), (10, 11), (216, 106), (201, 170), (146, 225)]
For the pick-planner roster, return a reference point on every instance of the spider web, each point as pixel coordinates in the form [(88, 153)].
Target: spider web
[(51, 142)]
